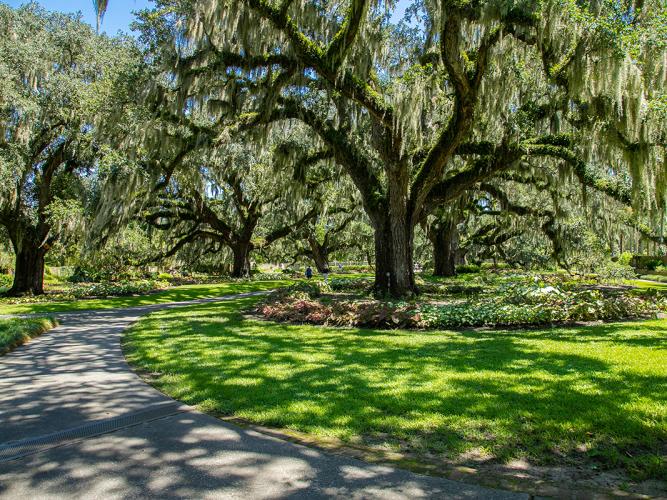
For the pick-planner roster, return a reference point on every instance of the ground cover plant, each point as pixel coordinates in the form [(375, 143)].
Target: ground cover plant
[(508, 298), (16, 331), (586, 398)]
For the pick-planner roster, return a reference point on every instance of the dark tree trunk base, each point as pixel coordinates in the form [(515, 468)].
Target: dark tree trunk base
[(28, 273), (445, 250), (320, 255), (394, 277), (241, 266)]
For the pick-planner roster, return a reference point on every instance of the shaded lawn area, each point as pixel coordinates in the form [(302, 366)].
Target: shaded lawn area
[(582, 395), (17, 331), (175, 294)]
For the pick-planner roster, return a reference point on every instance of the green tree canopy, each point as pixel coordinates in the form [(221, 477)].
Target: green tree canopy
[(420, 113), (57, 77)]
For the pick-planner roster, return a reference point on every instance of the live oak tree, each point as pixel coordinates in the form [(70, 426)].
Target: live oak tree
[(540, 207), (241, 204), (420, 114), (443, 233), (55, 77), (333, 232)]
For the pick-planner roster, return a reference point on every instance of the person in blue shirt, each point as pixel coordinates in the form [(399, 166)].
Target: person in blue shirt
[(309, 272)]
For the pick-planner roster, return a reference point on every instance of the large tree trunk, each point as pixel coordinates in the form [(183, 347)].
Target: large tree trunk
[(394, 271), (29, 270), (320, 255), (241, 266), (445, 240)]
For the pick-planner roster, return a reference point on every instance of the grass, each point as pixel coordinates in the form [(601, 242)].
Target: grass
[(594, 395), (647, 284), (176, 294), (17, 331)]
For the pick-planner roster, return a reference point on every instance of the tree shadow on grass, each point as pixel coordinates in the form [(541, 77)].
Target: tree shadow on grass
[(635, 334), (504, 392)]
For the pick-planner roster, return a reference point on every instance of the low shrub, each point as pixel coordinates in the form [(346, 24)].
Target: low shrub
[(351, 284), (436, 289), (267, 276), (615, 271), (467, 268), (116, 289), (304, 289), (625, 259), (652, 265), (207, 279), (6, 280), (353, 268), (496, 266)]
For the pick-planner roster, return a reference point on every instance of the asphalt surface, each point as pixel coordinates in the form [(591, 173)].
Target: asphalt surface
[(76, 422)]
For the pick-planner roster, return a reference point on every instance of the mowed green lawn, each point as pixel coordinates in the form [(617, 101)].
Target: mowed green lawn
[(176, 294), (17, 331), (648, 284), (586, 395)]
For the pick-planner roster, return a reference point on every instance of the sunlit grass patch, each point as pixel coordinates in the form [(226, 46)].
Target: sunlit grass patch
[(595, 394), (17, 331), (175, 294)]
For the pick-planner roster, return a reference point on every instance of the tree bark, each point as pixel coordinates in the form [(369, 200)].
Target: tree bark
[(394, 271), (29, 270), (383, 267), (445, 240), (241, 265), (320, 255)]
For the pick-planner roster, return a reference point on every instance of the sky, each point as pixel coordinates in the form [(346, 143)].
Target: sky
[(119, 13), (118, 17)]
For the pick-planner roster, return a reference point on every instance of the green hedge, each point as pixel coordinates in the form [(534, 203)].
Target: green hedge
[(468, 268)]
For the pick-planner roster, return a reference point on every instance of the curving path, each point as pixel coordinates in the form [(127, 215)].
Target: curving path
[(76, 422)]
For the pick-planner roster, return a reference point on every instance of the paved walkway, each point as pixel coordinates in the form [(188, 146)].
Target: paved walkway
[(76, 422)]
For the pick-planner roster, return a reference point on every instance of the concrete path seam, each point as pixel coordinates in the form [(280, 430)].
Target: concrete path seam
[(19, 449)]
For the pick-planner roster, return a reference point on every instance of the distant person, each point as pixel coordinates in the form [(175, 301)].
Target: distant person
[(340, 267), (325, 275), (309, 272)]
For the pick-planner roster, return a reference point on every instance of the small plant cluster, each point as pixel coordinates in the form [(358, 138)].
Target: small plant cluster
[(116, 289), (351, 284), (468, 268), (539, 306), (6, 280), (461, 288), (207, 279), (616, 271), (515, 306)]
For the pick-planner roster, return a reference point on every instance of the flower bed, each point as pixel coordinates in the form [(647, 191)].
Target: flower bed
[(513, 305)]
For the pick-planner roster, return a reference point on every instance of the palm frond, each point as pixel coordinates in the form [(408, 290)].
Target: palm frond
[(100, 9)]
